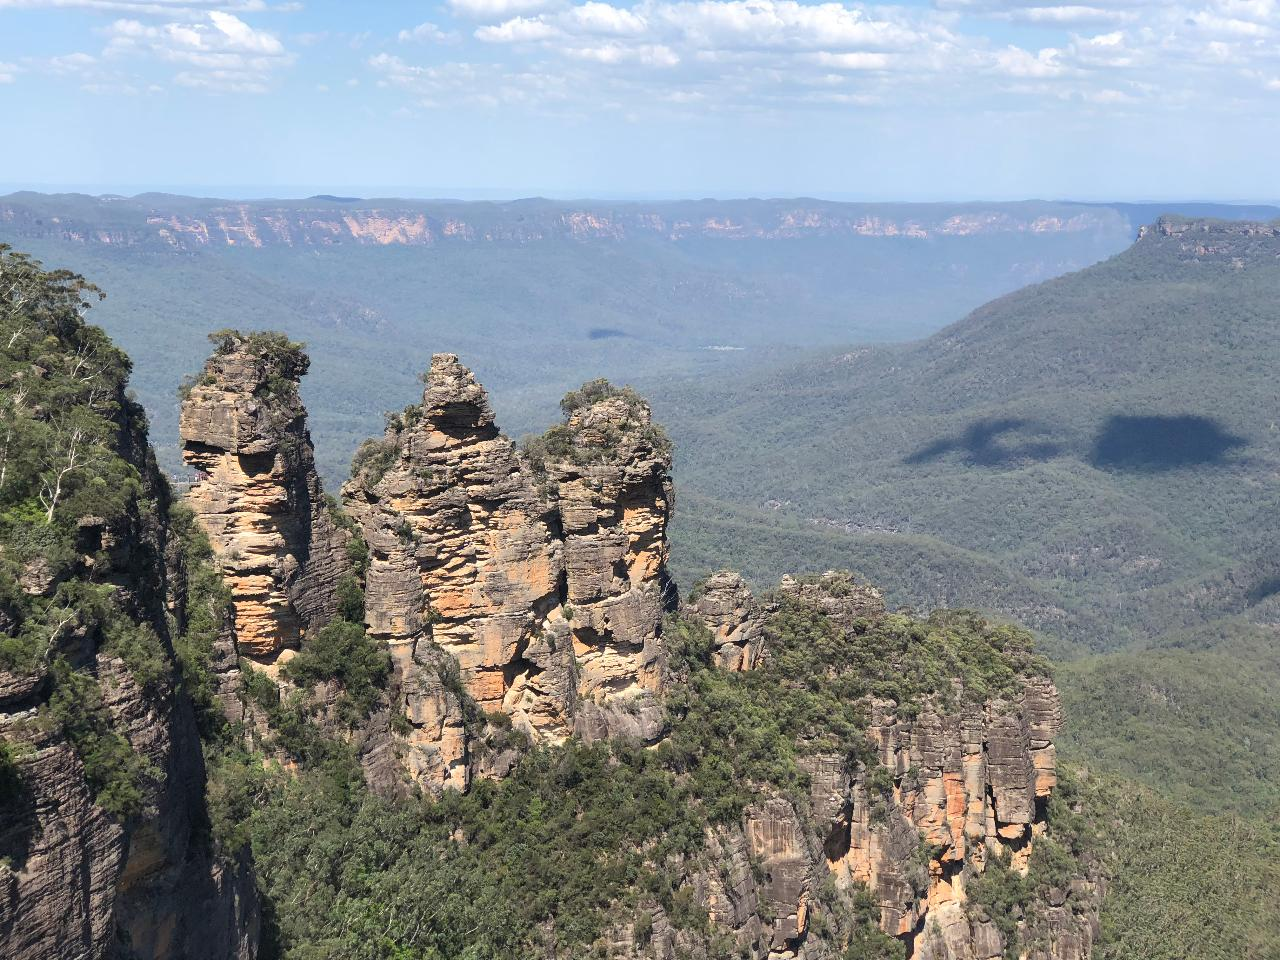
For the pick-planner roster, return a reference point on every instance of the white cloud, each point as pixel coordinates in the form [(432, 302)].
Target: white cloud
[(221, 52), (484, 85), (753, 54), (754, 24), (72, 63), (601, 18), (1016, 62), (1068, 14), (427, 33), (854, 61), (653, 55), (8, 72), (497, 9), (517, 30)]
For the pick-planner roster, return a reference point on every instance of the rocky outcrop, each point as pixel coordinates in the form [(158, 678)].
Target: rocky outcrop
[(465, 575), (608, 475), (188, 224), (723, 602), (953, 789), (531, 585), (258, 496), (839, 595), (949, 790)]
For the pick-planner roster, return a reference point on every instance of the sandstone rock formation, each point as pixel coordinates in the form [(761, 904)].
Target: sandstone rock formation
[(724, 603), (837, 594), (257, 494), (950, 789), (608, 473), (533, 586), (464, 575), (192, 225)]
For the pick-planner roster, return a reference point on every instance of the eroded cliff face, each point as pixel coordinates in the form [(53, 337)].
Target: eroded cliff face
[(79, 876), (328, 222), (724, 603), (608, 476), (952, 791), (465, 575), (258, 496)]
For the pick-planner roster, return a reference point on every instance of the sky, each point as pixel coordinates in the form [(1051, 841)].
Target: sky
[(925, 100)]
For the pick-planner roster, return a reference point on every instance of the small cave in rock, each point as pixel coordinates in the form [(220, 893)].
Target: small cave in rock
[(254, 464), (836, 845)]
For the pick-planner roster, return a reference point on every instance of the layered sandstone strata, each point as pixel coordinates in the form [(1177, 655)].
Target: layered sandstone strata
[(533, 584), (257, 494), (723, 602), (465, 574), (608, 476), (950, 789), (76, 880)]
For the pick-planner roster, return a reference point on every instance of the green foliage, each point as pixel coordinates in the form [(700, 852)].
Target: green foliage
[(62, 405), (1006, 897), (358, 554), (1000, 894), (866, 940), (1183, 883), (10, 772), (591, 393), (689, 644), (374, 458), (1197, 718), (115, 773), (141, 650), (206, 613), (569, 837), (282, 360), (564, 444), (732, 732), (344, 653), (238, 785), (350, 600)]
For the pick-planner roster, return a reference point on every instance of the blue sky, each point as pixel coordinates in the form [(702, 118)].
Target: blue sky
[(950, 99)]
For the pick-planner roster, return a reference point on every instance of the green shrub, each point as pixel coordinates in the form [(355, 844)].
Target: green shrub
[(343, 652), (350, 600), (282, 360), (373, 459), (206, 612), (10, 772), (238, 785), (141, 650), (566, 841), (113, 771)]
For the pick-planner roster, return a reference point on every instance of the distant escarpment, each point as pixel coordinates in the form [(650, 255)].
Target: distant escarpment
[(820, 776), (1200, 240), (105, 841), (184, 223)]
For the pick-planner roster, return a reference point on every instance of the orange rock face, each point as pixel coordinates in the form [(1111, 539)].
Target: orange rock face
[(548, 605), (257, 495)]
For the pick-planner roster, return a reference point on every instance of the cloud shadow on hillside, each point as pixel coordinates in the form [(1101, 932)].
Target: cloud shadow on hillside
[(991, 442), (1150, 444)]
